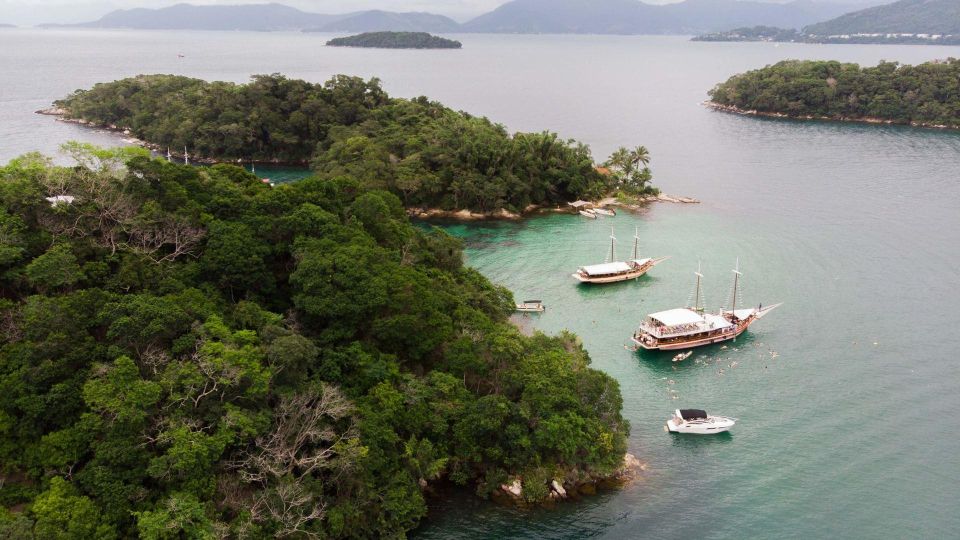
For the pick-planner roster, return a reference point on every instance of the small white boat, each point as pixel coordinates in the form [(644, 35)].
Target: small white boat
[(605, 212), (531, 306), (698, 422), (588, 213), (682, 356)]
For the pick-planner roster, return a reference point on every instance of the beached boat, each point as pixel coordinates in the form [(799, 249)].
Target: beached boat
[(531, 306), (685, 328), (613, 271), (588, 213), (698, 422), (605, 212)]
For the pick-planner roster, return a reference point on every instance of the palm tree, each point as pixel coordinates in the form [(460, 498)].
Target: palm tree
[(640, 156)]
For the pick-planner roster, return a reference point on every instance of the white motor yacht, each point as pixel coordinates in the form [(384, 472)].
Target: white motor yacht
[(698, 422)]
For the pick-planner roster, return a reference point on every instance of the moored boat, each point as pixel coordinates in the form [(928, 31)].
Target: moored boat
[(531, 306), (614, 271), (588, 213), (605, 212), (698, 422), (685, 328)]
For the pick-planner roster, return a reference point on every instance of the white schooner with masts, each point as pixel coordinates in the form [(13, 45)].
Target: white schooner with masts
[(613, 270), (685, 328)]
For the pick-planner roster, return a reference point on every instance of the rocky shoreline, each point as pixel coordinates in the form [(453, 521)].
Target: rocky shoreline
[(860, 120), (572, 485), (504, 214)]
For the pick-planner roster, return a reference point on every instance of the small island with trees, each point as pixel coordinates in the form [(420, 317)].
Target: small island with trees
[(396, 40), (428, 155), (925, 95)]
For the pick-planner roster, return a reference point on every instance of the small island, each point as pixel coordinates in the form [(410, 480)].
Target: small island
[(396, 40), (925, 95)]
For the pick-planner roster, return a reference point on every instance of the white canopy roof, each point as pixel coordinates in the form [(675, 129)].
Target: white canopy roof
[(641, 262), (607, 268), (674, 317), (744, 313)]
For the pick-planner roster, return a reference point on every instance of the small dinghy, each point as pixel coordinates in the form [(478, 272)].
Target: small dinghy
[(698, 422), (531, 306), (588, 213), (682, 356), (605, 212)]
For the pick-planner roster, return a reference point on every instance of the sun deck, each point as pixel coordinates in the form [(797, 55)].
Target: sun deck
[(682, 322)]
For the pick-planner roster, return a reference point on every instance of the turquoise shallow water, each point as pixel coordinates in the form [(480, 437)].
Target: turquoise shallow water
[(848, 431)]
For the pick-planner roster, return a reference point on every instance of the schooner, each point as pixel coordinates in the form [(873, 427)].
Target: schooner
[(685, 328), (612, 270)]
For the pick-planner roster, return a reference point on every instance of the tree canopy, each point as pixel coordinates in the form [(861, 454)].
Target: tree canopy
[(925, 94), (423, 152), (395, 40), (187, 352)]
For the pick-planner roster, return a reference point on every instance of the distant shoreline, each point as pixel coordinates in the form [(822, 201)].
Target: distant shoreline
[(733, 109)]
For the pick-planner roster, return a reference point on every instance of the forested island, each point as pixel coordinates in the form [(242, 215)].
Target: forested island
[(190, 353), (427, 154), (925, 95), (395, 40)]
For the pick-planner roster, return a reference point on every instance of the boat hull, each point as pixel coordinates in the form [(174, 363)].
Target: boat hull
[(699, 341), (713, 427), (626, 276), (693, 343)]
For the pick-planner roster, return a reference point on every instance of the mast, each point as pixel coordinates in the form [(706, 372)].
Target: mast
[(636, 243), (613, 249), (736, 281), (696, 302)]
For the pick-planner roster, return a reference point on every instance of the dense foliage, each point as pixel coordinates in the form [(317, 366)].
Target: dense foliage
[(927, 94), (189, 353), (427, 154), (905, 16), (396, 40)]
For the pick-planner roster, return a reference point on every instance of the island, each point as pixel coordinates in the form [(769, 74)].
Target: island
[(925, 95), (428, 155), (191, 353), (5, 25), (395, 40)]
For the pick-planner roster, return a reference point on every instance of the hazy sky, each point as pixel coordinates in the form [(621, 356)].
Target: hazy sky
[(28, 12)]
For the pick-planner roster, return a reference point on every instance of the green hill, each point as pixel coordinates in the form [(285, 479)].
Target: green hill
[(924, 95), (395, 40), (905, 16)]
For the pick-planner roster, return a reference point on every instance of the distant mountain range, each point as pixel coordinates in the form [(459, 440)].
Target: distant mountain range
[(927, 22), (516, 16), (903, 17), (380, 21), (634, 17)]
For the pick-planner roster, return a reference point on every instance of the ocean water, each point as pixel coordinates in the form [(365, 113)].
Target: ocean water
[(847, 395)]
